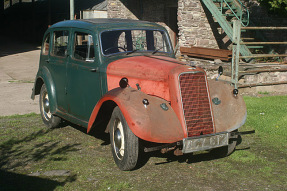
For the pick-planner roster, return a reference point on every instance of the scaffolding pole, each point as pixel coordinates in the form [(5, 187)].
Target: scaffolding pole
[(72, 12), (235, 52)]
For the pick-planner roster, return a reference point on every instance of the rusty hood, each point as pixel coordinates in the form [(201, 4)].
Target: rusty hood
[(149, 73)]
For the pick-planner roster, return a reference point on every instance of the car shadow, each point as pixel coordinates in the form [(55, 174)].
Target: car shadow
[(98, 133), (186, 158)]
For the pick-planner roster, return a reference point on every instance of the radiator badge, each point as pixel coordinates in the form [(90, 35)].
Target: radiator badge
[(164, 106), (216, 101)]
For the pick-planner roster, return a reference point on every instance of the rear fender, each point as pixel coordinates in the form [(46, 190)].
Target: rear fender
[(46, 78), (151, 123), (229, 111)]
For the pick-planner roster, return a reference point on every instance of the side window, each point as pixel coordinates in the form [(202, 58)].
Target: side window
[(84, 47), (46, 45), (60, 43)]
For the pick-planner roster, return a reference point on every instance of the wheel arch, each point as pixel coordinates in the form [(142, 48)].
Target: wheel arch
[(37, 87), (150, 123), (46, 78), (100, 123)]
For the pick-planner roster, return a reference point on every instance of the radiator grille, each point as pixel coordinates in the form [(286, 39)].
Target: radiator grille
[(196, 106)]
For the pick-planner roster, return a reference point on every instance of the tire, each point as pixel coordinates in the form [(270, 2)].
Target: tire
[(226, 150), (124, 144), (50, 120)]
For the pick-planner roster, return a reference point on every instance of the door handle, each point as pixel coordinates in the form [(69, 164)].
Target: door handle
[(94, 69), (48, 60)]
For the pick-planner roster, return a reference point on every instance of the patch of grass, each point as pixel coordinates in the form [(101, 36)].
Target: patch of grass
[(244, 156), (264, 93), (267, 115), (258, 163), (16, 116), (114, 185), (20, 81)]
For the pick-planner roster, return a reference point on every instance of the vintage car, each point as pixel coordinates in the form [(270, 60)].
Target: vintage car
[(121, 77)]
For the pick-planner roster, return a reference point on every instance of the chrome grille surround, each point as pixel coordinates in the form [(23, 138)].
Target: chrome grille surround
[(195, 102)]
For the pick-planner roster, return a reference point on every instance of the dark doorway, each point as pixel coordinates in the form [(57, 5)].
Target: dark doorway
[(172, 23)]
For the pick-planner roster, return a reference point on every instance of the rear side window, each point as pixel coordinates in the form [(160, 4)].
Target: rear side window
[(84, 47), (46, 45), (60, 43)]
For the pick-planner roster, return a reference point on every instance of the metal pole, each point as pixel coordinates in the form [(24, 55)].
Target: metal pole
[(72, 10), (264, 28), (235, 52), (263, 43), (262, 84), (264, 55)]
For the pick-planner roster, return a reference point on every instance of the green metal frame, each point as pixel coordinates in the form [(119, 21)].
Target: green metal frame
[(217, 14)]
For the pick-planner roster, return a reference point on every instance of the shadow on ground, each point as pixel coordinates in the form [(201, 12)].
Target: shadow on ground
[(13, 181), (12, 45), (18, 153)]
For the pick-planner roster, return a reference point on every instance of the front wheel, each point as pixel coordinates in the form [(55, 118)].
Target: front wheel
[(48, 118), (226, 150), (124, 144)]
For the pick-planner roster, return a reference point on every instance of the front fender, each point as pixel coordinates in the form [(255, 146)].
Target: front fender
[(150, 123), (229, 111)]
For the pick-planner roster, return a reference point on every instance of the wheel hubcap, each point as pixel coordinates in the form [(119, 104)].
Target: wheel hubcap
[(118, 139), (46, 107)]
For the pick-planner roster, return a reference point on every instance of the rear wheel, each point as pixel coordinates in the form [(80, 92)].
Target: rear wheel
[(124, 144), (48, 118)]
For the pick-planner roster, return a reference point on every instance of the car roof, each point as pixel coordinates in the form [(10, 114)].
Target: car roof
[(107, 24)]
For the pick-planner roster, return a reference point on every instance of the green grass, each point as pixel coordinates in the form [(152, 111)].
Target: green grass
[(259, 162), (264, 93), (268, 116)]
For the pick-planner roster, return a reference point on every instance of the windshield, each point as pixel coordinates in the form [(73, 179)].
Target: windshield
[(130, 41)]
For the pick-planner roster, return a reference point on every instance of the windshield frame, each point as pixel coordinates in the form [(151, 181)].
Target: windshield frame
[(163, 32)]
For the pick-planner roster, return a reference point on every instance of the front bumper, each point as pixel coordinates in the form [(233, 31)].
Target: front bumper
[(200, 143)]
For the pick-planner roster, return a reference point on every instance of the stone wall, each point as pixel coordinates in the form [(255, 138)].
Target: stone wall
[(193, 25), (147, 10), (116, 9)]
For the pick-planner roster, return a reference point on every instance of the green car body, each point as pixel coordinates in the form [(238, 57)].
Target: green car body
[(121, 77), (85, 81)]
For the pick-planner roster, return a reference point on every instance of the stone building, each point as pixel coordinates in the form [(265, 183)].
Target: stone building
[(185, 20), (190, 22)]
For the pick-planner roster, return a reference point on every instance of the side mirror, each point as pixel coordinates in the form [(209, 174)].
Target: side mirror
[(220, 72)]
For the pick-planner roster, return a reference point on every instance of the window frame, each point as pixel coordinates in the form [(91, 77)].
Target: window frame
[(68, 44), (43, 45), (74, 32)]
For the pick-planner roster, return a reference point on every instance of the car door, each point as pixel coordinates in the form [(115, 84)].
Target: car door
[(58, 63), (84, 87)]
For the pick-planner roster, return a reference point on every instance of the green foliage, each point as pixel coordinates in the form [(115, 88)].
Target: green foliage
[(276, 7)]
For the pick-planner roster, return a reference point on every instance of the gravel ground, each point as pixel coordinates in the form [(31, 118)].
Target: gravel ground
[(18, 68)]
